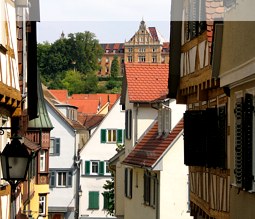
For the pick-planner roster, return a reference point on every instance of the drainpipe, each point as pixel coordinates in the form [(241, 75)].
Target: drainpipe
[(77, 162), (158, 198)]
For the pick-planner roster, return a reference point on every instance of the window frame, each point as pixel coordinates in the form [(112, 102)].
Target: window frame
[(42, 166), (92, 167), (42, 204), (141, 59), (54, 178), (55, 144)]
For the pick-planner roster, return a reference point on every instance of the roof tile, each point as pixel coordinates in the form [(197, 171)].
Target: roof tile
[(151, 147)]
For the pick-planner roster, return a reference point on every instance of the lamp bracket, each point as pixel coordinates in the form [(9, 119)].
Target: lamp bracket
[(4, 128)]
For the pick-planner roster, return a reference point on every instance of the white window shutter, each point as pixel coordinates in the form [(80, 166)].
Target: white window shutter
[(160, 123), (167, 120)]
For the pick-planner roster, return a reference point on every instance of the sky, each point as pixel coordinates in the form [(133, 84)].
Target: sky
[(112, 21)]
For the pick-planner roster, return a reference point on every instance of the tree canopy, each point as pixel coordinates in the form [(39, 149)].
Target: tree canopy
[(78, 52)]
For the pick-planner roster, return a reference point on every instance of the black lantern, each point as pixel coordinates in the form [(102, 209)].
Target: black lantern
[(15, 161)]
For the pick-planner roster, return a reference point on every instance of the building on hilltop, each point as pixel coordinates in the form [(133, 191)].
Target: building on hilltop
[(146, 46)]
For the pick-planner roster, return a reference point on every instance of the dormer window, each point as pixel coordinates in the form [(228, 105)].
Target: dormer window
[(164, 120)]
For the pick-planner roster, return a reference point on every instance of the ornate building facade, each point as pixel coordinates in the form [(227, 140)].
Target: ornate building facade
[(146, 46)]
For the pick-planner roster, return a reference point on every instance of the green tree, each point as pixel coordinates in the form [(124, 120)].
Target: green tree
[(109, 195), (79, 51), (73, 82), (115, 67)]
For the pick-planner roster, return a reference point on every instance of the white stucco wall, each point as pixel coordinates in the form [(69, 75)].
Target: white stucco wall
[(174, 184), (95, 150), (62, 197)]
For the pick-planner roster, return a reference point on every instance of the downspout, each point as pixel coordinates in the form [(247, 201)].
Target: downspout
[(77, 163)]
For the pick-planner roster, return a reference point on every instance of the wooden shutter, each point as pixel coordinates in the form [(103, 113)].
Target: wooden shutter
[(52, 179), (131, 183), (101, 168), (193, 18), (212, 144), (160, 121), (247, 146), (167, 120), (128, 123), (126, 178), (87, 167), (194, 138), (69, 179), (103, 135), (119, 136), (93, 200), (57, 146), (239, 141), (222, 132)]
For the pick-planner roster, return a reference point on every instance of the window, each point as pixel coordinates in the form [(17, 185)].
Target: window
[(128, 123), (229, 3), (141, 58), (244, 121), (112, 135), (107, 60), (107, 170), (205, 134), (42, 161), (96, 168), (197, 19), (42, 205), (32, 168), (130, 49), (154, 59), (154, 49), (142, 49), (128, 182), (162, 59), (55, 146), (60, 178), (130, 59), (150, 188), (94, 200)]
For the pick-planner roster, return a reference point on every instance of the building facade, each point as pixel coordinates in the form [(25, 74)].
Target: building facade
[(196, 30), (146, 46)]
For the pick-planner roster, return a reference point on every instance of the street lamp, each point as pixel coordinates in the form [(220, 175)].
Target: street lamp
[(15, 162)]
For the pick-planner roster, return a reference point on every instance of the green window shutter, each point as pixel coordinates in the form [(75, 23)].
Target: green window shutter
[(52, 179), (101, 168), (57, 146), (87, 167), (93, 200), (119, 135), (103, 135)]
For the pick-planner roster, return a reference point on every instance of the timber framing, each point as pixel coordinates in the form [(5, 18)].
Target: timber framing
[(10, 98)]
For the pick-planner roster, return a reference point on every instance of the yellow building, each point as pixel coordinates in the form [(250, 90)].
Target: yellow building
[(146, 46)]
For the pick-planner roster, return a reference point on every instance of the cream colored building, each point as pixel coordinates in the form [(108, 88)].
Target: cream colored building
[(147, 45), (237, 73)]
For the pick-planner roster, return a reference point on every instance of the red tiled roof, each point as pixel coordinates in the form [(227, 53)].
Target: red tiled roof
[(151, 147), (90, 121), (146, 82), (85, 106), (61, 95), (153, 33)]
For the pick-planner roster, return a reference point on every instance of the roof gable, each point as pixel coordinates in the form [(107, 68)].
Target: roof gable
[(152, 147), (146, 82)]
